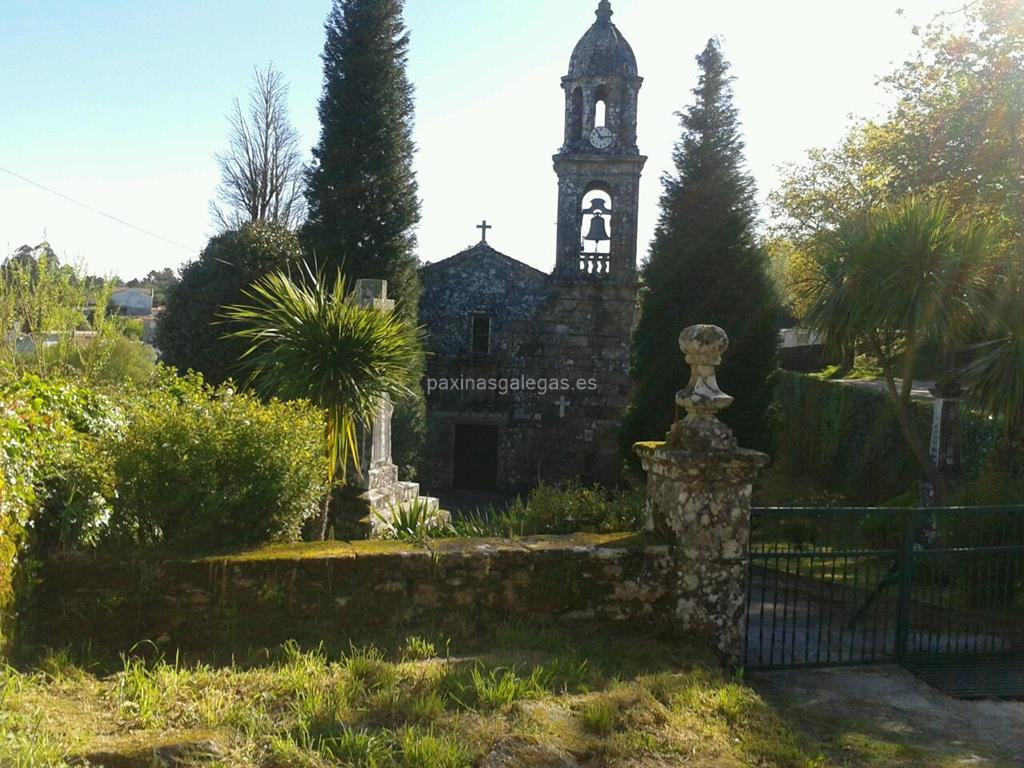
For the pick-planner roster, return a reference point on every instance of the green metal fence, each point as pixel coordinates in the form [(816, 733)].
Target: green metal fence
[(939, 590)]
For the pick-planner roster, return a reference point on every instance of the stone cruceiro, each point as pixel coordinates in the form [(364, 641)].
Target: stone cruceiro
[(384, 493)]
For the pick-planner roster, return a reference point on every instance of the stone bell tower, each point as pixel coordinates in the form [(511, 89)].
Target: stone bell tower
[(599, 165), (582, 332), (561, 342)]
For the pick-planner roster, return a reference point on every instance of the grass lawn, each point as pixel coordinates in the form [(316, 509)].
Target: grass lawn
[(425, 704)]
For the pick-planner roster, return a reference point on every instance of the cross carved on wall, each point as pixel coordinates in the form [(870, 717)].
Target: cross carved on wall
[(483, 228)]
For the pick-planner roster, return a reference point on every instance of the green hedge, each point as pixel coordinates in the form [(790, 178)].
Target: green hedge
[(846, 438), (198, 467), (177, 462), (50, 432)]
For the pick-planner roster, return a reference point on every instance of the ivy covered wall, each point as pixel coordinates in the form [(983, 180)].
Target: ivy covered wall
[(846, 438)]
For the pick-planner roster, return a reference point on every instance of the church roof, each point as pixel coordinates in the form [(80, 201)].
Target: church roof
[(603, 50), (480, 252)]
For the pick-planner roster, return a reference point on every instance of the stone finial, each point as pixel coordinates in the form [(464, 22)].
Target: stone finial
[(604, 11), (704, 346)]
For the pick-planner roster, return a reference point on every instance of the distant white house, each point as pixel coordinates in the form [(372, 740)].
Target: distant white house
[(134, 302), (798, 337)]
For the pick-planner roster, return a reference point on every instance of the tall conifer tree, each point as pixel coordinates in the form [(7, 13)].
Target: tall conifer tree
[(362, 193), (361, 189), (705, 266)]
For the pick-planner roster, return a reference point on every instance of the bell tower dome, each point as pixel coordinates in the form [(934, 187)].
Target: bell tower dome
[(599, 165)]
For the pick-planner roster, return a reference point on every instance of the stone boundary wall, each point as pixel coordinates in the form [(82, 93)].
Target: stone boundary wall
[(687, 575), (336, 591)]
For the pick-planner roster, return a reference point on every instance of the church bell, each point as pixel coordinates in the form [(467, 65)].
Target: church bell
[(598, 231)]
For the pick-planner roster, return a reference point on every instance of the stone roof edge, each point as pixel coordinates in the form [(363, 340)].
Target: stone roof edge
[(483, 248)]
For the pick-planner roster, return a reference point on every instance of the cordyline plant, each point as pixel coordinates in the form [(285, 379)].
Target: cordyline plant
[(312, 341), (995, 374), (910, 275)]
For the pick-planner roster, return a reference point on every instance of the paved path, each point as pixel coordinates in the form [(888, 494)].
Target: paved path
[(890, 705), (794, 620), (921, 390)]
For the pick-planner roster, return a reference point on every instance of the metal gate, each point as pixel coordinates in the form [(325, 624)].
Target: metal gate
[(938, 590)]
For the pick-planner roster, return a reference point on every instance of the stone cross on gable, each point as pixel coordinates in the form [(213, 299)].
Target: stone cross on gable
[(483, 228)]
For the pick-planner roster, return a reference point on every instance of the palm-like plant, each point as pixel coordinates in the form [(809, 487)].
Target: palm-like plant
[(910, 275), (995, 375), (313, 341)]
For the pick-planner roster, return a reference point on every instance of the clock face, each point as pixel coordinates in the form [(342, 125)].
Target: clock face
[(602, 137)]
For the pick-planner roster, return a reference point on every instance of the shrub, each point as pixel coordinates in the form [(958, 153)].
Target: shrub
[(200, 467), (572, 508), (992, 488), (125, 361), (54, 483), (990, 579), (131, 327), (882, 531), (109, 360), (16, 497), (187, 332), (801, 533)]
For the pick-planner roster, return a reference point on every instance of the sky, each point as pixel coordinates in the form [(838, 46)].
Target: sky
[(121, 105)]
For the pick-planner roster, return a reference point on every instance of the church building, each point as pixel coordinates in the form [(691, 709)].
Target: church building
[(528, 372)]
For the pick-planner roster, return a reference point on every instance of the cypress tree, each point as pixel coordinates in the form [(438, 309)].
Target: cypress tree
[(361, 189), (705, 266), (362, 192)]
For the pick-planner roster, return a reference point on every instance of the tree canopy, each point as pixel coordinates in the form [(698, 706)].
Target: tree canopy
[(704, 266), (189, 332), (362, 192), (361, 189), (955, 133), (261, 171)]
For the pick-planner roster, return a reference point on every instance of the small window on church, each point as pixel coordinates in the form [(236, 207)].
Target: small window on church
[(481, 334), (601, 107)]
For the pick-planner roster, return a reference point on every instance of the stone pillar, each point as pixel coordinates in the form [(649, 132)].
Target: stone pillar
[(699, 483), (375, 468), (383, 492)]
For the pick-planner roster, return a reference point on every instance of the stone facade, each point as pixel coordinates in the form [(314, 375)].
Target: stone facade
[(553, 384), (528, 373)]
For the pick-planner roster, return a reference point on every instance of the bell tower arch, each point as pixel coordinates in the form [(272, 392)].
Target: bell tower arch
[(599, 165)]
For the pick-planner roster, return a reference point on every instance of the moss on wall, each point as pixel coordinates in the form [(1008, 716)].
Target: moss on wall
[(337, 590)]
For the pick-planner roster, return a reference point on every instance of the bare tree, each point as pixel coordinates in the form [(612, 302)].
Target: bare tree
[(261, 172)]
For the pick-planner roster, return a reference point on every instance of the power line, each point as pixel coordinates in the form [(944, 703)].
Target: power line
[(97, 210)]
